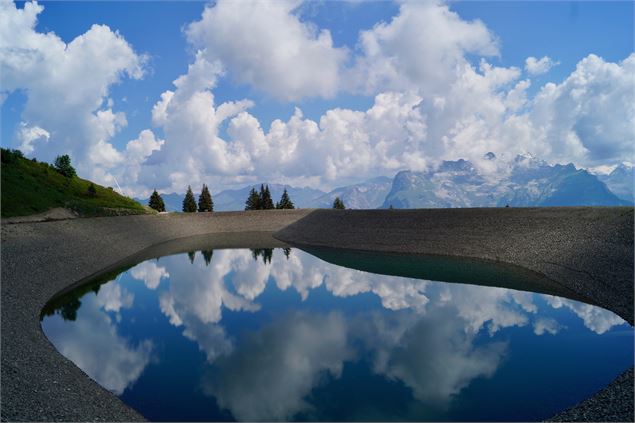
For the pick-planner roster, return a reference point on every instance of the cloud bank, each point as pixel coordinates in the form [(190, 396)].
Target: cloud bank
[(436, 94)]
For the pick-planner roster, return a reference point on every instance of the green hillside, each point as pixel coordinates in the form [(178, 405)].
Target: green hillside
[(30, 187)]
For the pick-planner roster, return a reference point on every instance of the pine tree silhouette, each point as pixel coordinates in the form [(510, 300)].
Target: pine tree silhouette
[(207, 256), (191, 255), (156, 202), (285, 202), (338, 204), (253, 201), (266, 203), (189, 203), (205, 203)]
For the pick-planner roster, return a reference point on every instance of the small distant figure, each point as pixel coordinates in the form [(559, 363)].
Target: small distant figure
[(338, 204), (506, 206)]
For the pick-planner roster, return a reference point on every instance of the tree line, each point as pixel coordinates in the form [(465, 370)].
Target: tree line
[(262, 200), (256, 200), (205, 202)]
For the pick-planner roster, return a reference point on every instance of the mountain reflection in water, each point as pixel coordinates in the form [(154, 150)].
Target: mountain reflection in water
[(280, 334)]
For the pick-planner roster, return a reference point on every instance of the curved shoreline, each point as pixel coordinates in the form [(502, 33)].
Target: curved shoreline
[(42, 260)]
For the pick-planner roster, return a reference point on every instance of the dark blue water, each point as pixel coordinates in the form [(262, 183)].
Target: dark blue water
[(283, 335)]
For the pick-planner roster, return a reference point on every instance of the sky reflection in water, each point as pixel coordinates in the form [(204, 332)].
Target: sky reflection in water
[(282, 335)]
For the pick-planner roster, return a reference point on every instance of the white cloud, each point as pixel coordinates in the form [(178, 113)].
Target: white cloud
[(112, 297), (535, 66), (430, 102), (28, 135), (150, 273), (435, 356), (269, 377), (93, 344), (67, 86), (546, 325), (595, 318), (190, 121), (422, 48), (589, 117), (264, 44)]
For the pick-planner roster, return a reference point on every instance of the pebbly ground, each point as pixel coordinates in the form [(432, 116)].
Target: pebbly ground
[(586, 250)]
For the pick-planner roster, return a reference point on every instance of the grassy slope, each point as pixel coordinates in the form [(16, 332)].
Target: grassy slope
[(29, 187)]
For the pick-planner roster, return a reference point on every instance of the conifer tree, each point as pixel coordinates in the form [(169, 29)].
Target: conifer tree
[(266, 203), (189, 202), (265, 253), (253, 201), (205, 203), (156, 202), (207, 256), (285, 202), (191, 255), (338, 204)]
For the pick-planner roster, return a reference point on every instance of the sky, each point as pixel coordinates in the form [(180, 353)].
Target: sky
[(160, 94)]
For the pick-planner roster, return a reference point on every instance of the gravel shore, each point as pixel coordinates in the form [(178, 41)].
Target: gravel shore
[(586, 250)]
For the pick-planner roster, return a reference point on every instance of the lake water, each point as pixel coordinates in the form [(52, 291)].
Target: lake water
[(241, 334)]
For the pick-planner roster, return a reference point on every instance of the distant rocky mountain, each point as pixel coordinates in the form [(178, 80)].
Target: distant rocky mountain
[(524, 182), (365, 195), (528, 182), (234, 199), (621, 181)]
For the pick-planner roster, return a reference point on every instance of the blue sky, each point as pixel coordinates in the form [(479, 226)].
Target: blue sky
[(508, 33)]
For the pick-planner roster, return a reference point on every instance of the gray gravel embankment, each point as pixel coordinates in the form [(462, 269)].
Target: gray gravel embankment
[(588, 250)]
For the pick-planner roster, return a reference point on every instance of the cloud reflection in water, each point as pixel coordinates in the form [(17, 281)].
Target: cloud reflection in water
[(433, 338)]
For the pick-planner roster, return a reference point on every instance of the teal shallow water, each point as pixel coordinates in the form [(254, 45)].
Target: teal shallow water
[(283, 335)]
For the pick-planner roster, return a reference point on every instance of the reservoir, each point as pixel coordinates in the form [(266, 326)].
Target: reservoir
[(289, 335)]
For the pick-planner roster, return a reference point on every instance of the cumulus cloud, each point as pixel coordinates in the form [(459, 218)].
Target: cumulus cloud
[(269, 377), (67, 86), (112, 297), (266, 45), (433, 105), (150, 273), (197, 294), (589, 117), (437, 96), (435, 356), (93, 344), (535, 66), (422, 48), (546, 325), (28, 135), (190, 120), (595, 318)]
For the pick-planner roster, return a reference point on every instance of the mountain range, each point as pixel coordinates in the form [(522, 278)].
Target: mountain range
[(621, 181), (524, 182)]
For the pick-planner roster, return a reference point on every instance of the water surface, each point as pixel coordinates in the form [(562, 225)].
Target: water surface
[(280, 334)]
